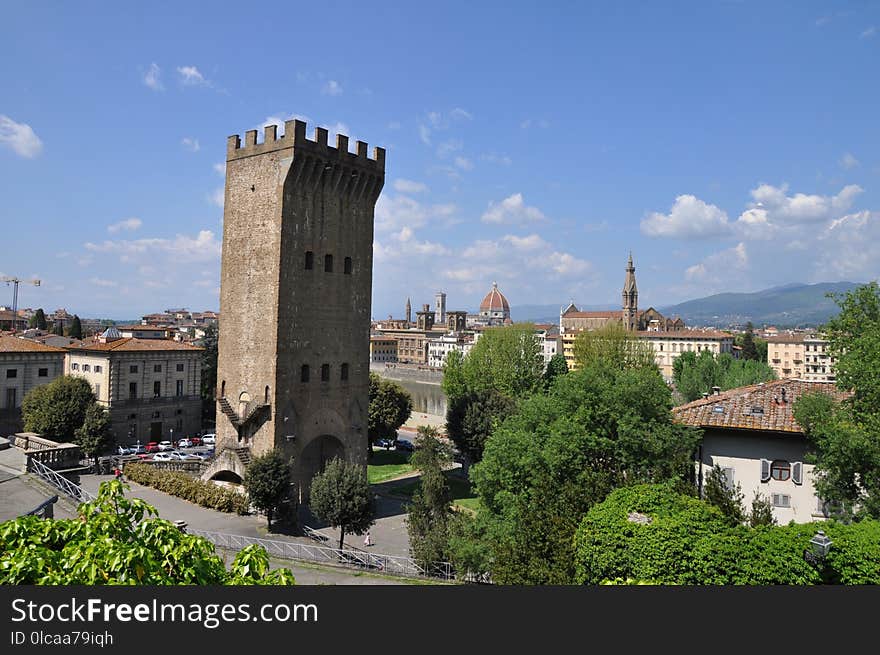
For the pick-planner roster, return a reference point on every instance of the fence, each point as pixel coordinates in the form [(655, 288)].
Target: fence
[(59, 481), (352, 558)]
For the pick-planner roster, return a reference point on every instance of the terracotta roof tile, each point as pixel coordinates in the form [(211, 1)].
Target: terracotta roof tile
[(739, 405), (132, 345), (10, 344)]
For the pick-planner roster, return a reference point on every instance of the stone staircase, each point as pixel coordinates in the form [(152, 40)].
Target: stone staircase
[(244, 454), (231, 414)]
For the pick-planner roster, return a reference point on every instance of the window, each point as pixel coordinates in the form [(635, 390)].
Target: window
[(132, 390), (180, 368), (328, 263), (132, 369), (11, 373), (304, 373), (86, 368), (157, 389), (310, 260), (781, 500), (343, 372), (98, 369), (43, 373), (132, 417), (347, 266), (157, 368), (780, 470), (178, 412), (73, 367), (179, 390), (325, 372)]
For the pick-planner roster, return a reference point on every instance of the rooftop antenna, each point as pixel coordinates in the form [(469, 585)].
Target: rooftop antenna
[(15, 282)]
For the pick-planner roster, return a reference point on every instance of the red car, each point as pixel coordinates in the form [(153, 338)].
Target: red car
[(152, 447), (196, 441)]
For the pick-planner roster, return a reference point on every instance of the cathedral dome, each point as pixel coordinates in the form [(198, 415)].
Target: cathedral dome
[(494, 301)]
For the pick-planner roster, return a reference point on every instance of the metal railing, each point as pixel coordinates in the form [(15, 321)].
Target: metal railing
[(59, 481), (351, 558)]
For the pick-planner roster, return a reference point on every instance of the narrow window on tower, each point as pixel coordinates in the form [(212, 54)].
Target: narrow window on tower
[(348, 265), (304, 373), (343, 372), (310, 260), (328, 263), (325, 372)]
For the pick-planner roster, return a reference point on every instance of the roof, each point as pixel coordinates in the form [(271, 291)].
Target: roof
[(685, 334), (133, 345), (141, 328), (737, 406), (10, 344), (787, 338), (608, 314), (494, 301)]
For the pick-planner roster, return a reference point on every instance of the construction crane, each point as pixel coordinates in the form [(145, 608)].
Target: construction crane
[(15, 282)]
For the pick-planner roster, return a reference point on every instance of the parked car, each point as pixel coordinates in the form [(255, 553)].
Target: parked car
[(196, 441), (185, 443), (197, 456), (166, 445), (404, 445), (122, 450), (143, 456), (209, 439), (152, 447), (136, 449), (384, 443), (162, 457)]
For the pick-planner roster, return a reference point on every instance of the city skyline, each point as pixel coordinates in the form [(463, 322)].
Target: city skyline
[(536, 153)]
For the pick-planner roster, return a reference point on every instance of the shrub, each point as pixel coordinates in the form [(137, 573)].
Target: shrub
[(181, 485)]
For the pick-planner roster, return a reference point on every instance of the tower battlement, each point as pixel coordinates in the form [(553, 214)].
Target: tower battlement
[(295, 137)]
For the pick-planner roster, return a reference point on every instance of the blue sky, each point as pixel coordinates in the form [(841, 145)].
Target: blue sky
[(729, 145)]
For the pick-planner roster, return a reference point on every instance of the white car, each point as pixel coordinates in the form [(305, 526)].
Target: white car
[(169, 456), (184, 443), (209, 439), (166, 445)]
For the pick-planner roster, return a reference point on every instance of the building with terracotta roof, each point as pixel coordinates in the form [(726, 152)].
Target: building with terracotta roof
[(668, 346), (24, 365), (494, 309), (152, 387), (801, 355), (751, 433)]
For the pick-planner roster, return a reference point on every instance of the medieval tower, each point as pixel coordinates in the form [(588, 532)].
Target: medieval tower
[(630, 298), (295, 292)]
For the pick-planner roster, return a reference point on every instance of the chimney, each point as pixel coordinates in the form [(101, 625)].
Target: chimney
[(705, 394), (784, 400), (716, 391)]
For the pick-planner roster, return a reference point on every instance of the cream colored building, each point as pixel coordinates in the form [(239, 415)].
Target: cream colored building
[(668, 346), (801, 356), (151, 387), (24, 365), (383, 349), (818, 362)]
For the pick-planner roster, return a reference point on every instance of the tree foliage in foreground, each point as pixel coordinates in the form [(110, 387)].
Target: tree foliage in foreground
[(547, 464), (430, 512), (695, 374), (267, 481), (119, 541), (612, 346), (652, 533), (58, 409), (470, 419), (390, 407), (342, 497), (94, 436)]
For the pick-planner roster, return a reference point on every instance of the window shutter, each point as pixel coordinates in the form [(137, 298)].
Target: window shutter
[(765, 470), (797, 469)]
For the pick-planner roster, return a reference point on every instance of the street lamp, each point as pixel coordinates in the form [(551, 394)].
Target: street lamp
[(820, 544)]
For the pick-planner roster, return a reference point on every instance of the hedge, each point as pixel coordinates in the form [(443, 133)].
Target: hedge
[(181, 485)]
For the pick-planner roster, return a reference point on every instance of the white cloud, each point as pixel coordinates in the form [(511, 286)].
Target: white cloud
[(153, 77), (408, 186), (448, 147), (689, 218), (190, 144), (512, 210), (531, 242), (717, 267), (849, 248), (425, 134), (331, 88), (20, 137), (202, 247), (492, 158), (100, 282), (394, 213), (220, 168), (191, 76), (773, 207), (129, 224), (464, 163), (460, 114), (869, 33), (217, 197), (848, 161), (536, 122)]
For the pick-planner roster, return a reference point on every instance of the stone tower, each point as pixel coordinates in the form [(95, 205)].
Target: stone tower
[(295, 292), (408, 312), (440, 308), (630, 298)]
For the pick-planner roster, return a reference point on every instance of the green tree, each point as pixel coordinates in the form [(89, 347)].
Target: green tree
[(390, 407), (555, 367), (58, 327), (40, 319), (696, 373), (119, 540), (76, 331), (342, 497), (507, 359), (612, 346), (470, 419), (267, 481), (94, 436), (209, 373), (762, 511), (560, 453), (749, 349), (58, 409), (727, 497), (430, 512)]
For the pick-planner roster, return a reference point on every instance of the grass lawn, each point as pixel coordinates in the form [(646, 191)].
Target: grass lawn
[(459, 490), (387, 464)]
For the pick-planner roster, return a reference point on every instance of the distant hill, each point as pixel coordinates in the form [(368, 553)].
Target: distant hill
[(790, 305)]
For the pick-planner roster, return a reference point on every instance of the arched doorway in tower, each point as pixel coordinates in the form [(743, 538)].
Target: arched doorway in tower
[(313, 459)]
